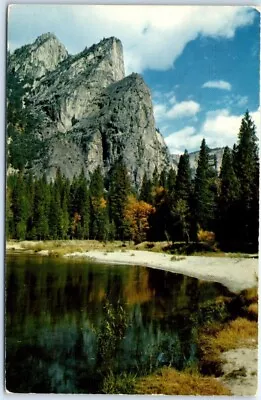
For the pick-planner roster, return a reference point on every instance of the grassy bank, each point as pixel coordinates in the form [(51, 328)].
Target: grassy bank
[(213, 340), (62, 247), (168, 381), (216, 338)]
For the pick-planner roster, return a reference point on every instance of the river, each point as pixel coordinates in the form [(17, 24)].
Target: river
[(70, 322)]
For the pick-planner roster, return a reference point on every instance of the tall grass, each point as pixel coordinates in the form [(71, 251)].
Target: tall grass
[(172, 382), (119, 384)]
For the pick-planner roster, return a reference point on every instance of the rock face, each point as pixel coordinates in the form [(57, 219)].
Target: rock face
[(35, 60), (90, 114)]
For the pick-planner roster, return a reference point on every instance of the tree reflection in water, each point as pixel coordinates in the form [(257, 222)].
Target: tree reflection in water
[(71, 324)]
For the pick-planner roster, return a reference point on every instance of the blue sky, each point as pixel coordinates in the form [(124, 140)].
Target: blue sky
[(201, 63)]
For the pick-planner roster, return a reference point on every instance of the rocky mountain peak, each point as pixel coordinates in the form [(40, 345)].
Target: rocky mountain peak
[(44, 37), (34, 60), (70, 91), (89, 113)]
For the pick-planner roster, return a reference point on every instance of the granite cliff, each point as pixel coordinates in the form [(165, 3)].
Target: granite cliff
[(86, 113)]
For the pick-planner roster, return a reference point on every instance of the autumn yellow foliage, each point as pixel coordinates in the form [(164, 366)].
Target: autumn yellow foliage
[(137, 216), (206, 236)]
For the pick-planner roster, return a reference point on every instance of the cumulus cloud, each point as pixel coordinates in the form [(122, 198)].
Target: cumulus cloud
[(183, 109), (223, 85), (220, 129), (177, 140), (160, 111), (167, 111), (153, 36)]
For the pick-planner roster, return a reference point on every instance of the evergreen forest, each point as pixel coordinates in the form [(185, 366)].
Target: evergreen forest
[(172, 206)]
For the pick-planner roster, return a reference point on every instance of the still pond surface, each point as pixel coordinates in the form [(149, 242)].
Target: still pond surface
[(68, 323)]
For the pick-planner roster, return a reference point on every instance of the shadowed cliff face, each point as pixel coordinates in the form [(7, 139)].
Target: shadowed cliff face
[(90, 114)]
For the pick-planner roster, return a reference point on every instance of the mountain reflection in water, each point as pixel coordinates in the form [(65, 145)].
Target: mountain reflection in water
[(70, 322)]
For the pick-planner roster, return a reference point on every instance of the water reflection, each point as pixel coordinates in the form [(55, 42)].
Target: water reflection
[(69, 323)]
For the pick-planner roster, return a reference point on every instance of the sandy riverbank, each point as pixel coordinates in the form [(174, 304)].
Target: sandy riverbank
[(239, 365), (235, 273), (240, 371)]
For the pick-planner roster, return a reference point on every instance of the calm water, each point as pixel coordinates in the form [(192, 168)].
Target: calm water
[(69, 322)]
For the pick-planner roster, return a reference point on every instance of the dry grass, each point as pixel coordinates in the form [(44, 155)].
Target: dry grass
[(177, 258), (250, 295), (62, 247), (158, 247), (240, 332), (171, 382), (213, 340), (253, 310), (250, 299)]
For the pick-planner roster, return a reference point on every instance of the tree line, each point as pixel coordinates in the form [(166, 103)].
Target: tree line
[(169, 206)]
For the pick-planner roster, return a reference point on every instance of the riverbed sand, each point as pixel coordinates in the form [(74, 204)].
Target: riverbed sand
[(240, 371), (239, 365), (235, 273)]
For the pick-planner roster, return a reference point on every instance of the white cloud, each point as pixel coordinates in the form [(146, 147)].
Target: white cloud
[(183, 109), (153, 36), (220, 129), (177, 140), (217, 85), (160, 111)]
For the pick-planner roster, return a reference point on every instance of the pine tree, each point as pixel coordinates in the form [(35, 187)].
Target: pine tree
[(119, 189), (228, 201), (183, 180), (204, 191), (160, 219), (180, 201), (155, 178), (55, 213), (99, 222), (79, 207), (246, 163), (20, 207), (30, 189), (83, 205), (163, 179), (146, 190), (40, 229), (171, 181), (8, 214)]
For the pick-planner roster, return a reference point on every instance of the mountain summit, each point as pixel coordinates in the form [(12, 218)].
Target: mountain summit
[(34, 60), (88, 113)]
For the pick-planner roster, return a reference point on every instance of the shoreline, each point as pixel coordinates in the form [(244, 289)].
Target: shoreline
[(239, 365), (235, 273)]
